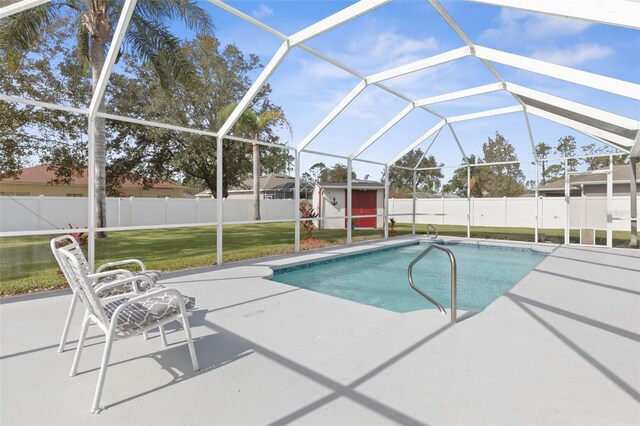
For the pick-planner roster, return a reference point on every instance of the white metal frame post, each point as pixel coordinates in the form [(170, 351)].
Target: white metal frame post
[(297, 206), (385, 215), (413, 207), (219, 199), (567, 199), (94, 108), (537, 195), (468, 200), (609, 204), (349, 200)]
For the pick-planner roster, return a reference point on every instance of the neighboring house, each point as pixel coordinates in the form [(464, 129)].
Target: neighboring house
[(435, 195), (272, 186), (34, 181), (330, 201), (591, 184)]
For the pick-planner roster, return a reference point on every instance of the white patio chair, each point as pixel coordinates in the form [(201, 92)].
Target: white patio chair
[(126, 316), (103, 275)]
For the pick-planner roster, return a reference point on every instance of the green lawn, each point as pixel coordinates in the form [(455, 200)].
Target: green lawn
[(27, 265)]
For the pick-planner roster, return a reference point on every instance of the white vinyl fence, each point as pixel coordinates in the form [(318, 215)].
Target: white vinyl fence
[(584, 212), (48, 213)]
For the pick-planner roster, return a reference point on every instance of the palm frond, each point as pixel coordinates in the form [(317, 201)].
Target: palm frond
[(187, 11), (153, 42), (19, 32)]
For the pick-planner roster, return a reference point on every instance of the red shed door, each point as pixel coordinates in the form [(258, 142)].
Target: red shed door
[(364, 203)]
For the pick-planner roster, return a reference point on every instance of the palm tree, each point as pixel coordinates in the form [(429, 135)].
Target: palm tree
[(148, 37), (253, 124)]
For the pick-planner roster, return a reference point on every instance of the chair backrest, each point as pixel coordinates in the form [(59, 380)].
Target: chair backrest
[(79, 278), (71, 244)]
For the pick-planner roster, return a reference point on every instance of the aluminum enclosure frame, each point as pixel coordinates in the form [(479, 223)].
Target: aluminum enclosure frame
[(623, 17)]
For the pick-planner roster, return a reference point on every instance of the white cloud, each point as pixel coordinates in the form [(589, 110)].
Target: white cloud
[(388, 49), (516, 26), (575, 55), (262, 11)]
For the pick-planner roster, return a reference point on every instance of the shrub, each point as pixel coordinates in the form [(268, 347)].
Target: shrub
[(80, 237), (307, 214), (392, 222)]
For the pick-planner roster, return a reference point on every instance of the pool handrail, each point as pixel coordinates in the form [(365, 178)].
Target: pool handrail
[(454, 280), (435, 229)]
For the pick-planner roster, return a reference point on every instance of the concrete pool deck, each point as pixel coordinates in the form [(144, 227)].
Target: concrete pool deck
[(561, 347)]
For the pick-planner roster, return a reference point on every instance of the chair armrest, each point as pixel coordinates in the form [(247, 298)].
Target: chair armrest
[(132, 300), (134, 279), (98, 275), (122, 262)]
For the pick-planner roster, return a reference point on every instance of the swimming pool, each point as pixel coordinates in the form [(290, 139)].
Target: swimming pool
[(379, 278)]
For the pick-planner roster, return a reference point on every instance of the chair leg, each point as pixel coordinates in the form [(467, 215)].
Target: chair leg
[(163, 336), (192, 349), (67, 324), (83, 335), (95, 408)]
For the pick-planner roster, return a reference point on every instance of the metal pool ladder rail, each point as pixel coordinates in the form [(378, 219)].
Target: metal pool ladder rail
[(434, 228), (454, 283)]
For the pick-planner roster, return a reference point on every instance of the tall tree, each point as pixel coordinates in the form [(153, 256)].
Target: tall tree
[(222, 78), (596, 163), (502, 180), (315, 172), (458, 182), (253, 124), (542, 151), (148, 36), (567, 148), (401, 180), (337, 173)]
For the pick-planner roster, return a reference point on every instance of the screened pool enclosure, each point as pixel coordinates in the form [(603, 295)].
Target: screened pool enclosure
[(619, 134)]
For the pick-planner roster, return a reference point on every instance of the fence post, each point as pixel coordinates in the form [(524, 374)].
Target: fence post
[(130, 211), (197, 209), (505, 211), (40, 208), (166, 210)]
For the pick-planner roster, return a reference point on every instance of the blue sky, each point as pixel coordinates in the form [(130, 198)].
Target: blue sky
[(404, 31)]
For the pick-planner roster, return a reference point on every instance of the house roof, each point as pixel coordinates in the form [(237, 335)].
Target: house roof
[(269, 181), (355, 184), (272, 182), (40, 175), (621, 174)]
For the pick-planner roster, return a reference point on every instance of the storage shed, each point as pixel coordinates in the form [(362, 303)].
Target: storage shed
[(330, 202)]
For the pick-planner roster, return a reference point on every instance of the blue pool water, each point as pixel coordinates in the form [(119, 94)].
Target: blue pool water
[(380, 278)]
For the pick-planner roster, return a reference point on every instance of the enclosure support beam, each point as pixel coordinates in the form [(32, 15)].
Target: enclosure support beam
[(332, 115), (20, 6), (611, 12), (413, 206), (537, 195), (468, 201), (567, 198), (94, 107), (609, 204), (348, 203), (595, 81), (633, 179), (386, 202), (91, 176), (219, 200), (297, 205)]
